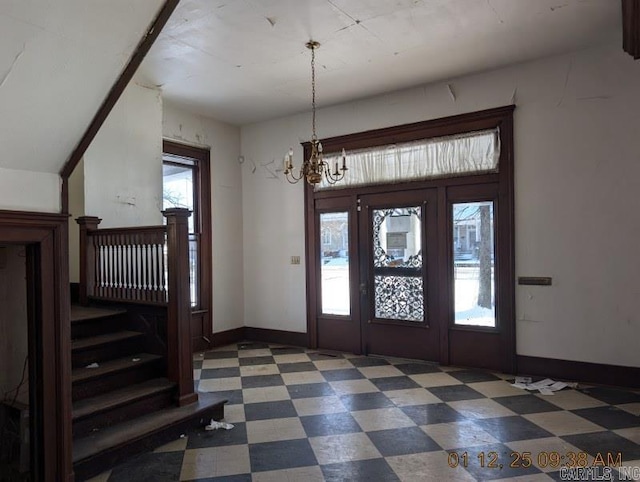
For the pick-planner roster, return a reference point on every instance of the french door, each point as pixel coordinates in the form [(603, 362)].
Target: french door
[(418, 269), (398, 274), (414, 273)]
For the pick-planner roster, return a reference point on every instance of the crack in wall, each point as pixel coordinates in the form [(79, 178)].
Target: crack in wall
[(12, 66)]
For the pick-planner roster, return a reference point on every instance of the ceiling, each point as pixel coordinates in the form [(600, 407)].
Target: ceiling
[(58, 60), (244, 61)]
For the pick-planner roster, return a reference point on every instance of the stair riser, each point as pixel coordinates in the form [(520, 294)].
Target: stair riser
[(106, 383), (98, 326), (121, 348), (121, 414), (94, 465)]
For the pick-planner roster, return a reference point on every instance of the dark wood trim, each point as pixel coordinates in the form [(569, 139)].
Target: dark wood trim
[(202, 156), (444, 126), (227, 337), (87, 255), (311, 286), (443, 289), (599, 373), (631, 27), (46, 238), (179, 352), (118, 87), (276, 336), (64, 196), (502, 118)]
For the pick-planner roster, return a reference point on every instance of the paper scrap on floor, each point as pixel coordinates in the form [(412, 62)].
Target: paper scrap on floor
[(93, 365), (216, 425), (545, 387)]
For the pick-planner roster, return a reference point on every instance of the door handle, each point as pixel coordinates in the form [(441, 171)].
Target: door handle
[(363, 288)]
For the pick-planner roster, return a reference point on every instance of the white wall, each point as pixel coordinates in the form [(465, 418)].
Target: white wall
[(13, 319), (29, 191), (577, 156), (226, 207), (123, 165)]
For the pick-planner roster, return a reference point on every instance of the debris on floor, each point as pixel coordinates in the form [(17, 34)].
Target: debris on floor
[(92, 365), (216, 425), (545, 387), (135, 359)]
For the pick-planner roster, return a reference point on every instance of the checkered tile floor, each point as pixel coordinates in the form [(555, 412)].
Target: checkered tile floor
[(301, 415)]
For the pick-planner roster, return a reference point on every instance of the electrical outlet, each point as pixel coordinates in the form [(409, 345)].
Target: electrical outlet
[(295, 259)]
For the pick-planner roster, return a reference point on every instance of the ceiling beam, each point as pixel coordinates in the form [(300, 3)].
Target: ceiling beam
[(118, 87), (631, 27)]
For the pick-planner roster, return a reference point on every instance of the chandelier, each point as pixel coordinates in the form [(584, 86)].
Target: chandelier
[(315, 167)]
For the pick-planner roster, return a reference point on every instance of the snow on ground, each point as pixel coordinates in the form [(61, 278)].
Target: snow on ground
[(335, 293)]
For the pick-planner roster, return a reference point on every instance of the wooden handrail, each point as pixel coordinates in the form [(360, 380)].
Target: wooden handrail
[(145, 265)]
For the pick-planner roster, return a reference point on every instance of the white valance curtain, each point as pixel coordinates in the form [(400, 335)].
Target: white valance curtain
[(469, 153)]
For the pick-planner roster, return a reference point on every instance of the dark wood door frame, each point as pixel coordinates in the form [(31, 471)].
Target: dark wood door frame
[(202, 194), (501, 118), (45, 236)]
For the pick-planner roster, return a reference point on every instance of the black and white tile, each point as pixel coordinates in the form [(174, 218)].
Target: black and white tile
[(305, 415)]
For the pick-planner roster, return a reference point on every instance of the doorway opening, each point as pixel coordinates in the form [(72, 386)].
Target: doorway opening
[(35, 405), (413, 257)]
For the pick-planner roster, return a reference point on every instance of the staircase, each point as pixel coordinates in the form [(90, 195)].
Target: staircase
[(122, 401)]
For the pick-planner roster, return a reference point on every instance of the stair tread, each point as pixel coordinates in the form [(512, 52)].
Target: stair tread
[(93, 341), (83, 313), (141, 427), (112, 366), (89, 406)]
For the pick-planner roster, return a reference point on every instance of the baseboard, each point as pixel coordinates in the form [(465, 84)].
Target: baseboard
[(276, 336), (580, 371), (227, 337), (264, 335)]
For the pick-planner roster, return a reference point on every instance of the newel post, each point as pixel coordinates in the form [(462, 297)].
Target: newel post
[(87, 257), (179, 355)]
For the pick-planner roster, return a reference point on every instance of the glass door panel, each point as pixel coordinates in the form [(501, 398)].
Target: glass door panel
[(178, 181), (334, 263), (474, 264)]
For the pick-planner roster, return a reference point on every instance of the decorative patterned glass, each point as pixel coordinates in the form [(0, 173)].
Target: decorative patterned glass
[(399, 298), (397, 263), (397, 237)]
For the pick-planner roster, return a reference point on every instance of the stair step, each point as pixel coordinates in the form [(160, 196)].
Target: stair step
[(97, 413), (92, 342), (114, 374), (89, 321), (80, 314), (112, 367), (107, 346), (110, 400), (102, 450)]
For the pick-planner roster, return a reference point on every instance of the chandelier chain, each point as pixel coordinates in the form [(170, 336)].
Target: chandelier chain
[(315, 168), (313, 92)]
